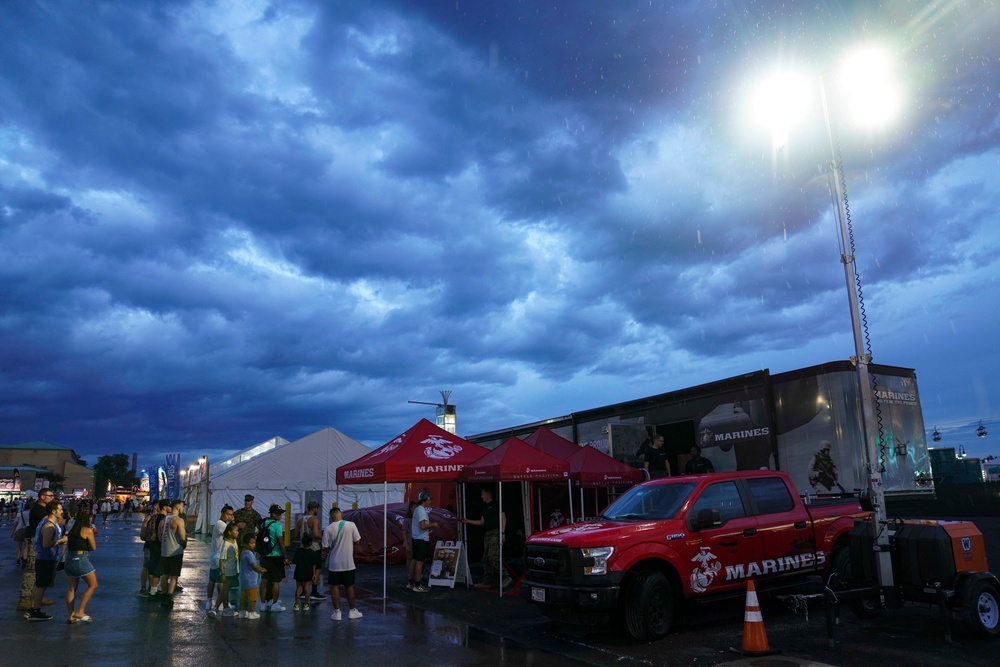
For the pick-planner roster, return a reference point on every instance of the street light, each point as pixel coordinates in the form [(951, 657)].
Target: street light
[(871, 97)]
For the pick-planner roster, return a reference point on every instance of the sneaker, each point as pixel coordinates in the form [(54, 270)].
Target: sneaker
[(253, 615), (144, 592), (228, 611), (335, 616), (242, 614), (178, 588), (167, 601), (317, 597), (420, 588), (353, 614), (296, 607), (482, 586), (265, 606), (207, 604), (38, 615), (276, 607), (210, 613), (409, 585), (507, 582), (46, 601)]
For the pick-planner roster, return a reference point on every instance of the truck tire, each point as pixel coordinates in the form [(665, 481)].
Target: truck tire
[(982, 609), (649, 606)]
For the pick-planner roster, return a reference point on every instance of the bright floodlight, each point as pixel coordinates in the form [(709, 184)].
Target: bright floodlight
[(867, 84), (780, 103)]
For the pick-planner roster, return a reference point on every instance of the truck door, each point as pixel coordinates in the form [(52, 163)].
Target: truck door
[(787, 543), (721, 554)]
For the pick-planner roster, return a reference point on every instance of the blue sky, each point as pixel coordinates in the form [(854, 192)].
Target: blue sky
[(221, 222)]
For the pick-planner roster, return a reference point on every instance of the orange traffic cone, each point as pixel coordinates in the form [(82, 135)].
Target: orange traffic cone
[(754, 637)]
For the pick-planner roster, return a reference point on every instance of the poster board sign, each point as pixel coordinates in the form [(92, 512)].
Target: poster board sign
[(450, 564)]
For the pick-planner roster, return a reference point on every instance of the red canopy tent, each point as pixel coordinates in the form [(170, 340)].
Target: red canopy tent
[(546, 441), (515, 461), (424, 452), (593, 469)]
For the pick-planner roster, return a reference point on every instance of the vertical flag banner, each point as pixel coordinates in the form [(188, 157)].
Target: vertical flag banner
[(154, 484), (173, 475)]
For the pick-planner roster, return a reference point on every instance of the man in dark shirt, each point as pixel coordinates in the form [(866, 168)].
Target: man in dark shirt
[(656, 459), (698, 464), (35, 516), (494, 523)]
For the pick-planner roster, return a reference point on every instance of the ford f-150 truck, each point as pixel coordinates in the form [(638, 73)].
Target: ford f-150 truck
[(685, 538)]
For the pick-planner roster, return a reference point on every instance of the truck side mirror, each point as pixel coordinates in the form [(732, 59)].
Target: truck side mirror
[(706, 518)]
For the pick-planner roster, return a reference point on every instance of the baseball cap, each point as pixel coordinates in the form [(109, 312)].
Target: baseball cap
[(423, 496), (247, 497), (276, 509)]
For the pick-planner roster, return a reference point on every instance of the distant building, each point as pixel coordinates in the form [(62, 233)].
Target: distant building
[(34, 459)]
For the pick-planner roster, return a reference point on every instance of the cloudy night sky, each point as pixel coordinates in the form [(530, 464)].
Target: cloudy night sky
[(221, 222)]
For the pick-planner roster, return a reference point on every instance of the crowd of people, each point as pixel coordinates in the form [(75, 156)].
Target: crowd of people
[(248, 560)]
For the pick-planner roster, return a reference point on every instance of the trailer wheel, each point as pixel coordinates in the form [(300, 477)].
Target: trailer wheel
[(841, 564), (649, 606), (982, 609)]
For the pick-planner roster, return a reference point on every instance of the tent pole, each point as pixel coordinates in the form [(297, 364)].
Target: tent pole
[(385, 537), (569, 491), (500, 536), (540, 524)]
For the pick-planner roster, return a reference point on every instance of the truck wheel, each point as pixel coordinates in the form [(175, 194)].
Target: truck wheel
[(649, 606), (982, 610)]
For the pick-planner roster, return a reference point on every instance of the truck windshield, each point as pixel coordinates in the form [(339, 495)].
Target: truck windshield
[(646, 503)]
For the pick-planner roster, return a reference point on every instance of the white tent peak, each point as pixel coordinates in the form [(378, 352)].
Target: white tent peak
[(250, 453)]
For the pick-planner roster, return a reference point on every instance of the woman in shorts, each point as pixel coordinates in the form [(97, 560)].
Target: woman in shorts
[(80, 544)]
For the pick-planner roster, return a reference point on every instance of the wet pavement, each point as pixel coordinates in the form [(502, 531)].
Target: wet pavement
[(128, 630), (460, 626)]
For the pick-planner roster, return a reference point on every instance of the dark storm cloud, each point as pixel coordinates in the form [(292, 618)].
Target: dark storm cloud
[(225, 223)]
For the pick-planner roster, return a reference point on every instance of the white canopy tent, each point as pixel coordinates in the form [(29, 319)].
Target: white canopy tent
[(286, 472)]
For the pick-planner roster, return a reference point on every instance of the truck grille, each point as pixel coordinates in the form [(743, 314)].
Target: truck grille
[(547, 564)]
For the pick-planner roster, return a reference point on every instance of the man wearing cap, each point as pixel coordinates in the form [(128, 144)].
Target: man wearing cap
[(421, 533), (247, 518), (275, 561), (309, 525)]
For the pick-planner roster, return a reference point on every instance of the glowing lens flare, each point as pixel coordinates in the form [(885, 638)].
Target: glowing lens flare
[(780, 103), (866, 81)]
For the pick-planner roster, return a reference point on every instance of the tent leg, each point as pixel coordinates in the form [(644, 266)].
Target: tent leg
[(569, 491), (385, 538)]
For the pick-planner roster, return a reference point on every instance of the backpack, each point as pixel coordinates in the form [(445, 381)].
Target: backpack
[(264, 541), (153, 529)]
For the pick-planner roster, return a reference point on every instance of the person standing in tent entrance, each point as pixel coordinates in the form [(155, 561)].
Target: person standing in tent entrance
[(421, 530), (494, 522), (656, 460), (247, 518)]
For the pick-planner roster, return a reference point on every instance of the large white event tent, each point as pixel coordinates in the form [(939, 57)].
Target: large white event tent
[(285, 473)]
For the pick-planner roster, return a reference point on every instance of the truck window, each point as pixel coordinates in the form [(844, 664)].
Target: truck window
[(649, 502), (771, 495), (723, 496)]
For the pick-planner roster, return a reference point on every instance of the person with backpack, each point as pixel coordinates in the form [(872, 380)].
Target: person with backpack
[(20, 546), (271, 549)]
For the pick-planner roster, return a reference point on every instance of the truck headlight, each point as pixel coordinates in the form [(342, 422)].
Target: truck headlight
[(596, 559)]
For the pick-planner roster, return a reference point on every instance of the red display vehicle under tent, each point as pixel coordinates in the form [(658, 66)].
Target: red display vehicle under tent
[(423, 453), (515, 461)]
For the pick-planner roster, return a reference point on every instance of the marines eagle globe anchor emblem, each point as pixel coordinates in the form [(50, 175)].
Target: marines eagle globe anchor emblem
[(702, 578)]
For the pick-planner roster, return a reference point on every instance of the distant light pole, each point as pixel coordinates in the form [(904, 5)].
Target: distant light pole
[(781, 104)]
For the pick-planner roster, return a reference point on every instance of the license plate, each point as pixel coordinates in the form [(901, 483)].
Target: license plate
[(538, 594)]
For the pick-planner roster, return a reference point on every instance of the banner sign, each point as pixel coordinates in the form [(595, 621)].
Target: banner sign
[(172, 468)]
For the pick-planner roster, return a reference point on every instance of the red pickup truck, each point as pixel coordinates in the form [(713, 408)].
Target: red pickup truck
[(685, 538)]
